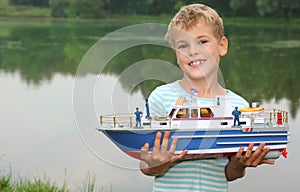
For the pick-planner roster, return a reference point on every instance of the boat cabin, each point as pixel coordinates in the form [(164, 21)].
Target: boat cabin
[(187, 114), (191, 112)]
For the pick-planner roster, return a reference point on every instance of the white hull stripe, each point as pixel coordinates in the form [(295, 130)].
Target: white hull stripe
[(233, 135), (229, 150), (248, 142)]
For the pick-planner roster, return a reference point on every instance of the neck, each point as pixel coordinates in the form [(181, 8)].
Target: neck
[(205, 87)]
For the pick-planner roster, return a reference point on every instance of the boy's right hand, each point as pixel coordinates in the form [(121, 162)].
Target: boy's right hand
[(159, 161)]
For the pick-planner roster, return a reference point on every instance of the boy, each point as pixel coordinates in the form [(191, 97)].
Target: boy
[(197, 34)]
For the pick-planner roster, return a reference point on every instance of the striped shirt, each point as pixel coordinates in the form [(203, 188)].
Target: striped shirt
[(192, 175)]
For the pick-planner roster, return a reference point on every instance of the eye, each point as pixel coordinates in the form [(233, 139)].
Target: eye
[(202, 41), (182, 46)]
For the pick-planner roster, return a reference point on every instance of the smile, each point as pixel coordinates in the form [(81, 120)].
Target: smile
[(197, 62)]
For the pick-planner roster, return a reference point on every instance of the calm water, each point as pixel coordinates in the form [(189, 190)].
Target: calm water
[(48, 112)]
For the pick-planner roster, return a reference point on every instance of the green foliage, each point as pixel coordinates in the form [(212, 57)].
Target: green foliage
[(222, 6), (278, 8), (89, 8), (39, 185), (8, 10), (35, 3), (7, 184), (109, 8), (89, 186), (243, 7), (159, 7), (179, 4), (58, 8), (5, 8)]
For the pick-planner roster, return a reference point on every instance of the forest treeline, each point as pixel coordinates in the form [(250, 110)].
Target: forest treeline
[(108, 8)]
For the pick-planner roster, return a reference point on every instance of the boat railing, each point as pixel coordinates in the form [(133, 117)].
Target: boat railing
[(274, 117), (117, 120)]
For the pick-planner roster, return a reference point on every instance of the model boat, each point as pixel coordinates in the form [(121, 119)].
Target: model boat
[(206, 131)]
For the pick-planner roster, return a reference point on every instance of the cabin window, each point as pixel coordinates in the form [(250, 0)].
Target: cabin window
[(172, 113), (194, 113), (206, 112), (183, 113)]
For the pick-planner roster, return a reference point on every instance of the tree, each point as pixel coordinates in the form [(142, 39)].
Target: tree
[(159, 7), (36, 3), (116, 6), (243, 7), (58, 8), (278, 8), (89, 8)]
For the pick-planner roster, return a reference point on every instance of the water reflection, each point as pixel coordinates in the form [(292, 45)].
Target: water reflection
[(261, 63), (38, 61), (39, 136)]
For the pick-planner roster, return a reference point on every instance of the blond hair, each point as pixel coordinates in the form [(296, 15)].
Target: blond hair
[(189, 15)]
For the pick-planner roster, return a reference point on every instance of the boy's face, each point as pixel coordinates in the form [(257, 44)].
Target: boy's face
[(198, 51)]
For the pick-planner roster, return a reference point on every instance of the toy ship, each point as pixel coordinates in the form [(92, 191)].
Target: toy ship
[(206, 131)]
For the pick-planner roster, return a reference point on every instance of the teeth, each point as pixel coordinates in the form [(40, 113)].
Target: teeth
[(197, 62)]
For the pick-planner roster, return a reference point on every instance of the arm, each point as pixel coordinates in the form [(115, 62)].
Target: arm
[(236, 167), (159, 161)]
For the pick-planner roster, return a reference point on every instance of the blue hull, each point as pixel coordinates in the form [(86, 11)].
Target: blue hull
[(211, 143)]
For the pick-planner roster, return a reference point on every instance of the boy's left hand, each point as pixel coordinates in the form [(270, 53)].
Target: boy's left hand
[(236, 166), (250, 158)]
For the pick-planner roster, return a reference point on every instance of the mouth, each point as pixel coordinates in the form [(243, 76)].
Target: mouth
[(197, 62)]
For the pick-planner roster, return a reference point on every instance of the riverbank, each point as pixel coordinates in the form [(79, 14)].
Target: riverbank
[(7, 10), (164, 19), (13, 12)]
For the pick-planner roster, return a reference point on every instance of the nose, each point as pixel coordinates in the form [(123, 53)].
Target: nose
[(193, 54), (194, 49)]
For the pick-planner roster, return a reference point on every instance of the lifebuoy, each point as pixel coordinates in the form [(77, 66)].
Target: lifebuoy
[(250, 109)]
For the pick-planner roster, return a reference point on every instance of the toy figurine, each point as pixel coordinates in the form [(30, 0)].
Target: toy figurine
[(147, 109), (236, 113), (138, 115)]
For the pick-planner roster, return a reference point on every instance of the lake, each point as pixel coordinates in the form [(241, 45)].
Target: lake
[(57, 77)]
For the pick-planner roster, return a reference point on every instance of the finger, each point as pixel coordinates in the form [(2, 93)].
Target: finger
[(164, 145), (239, 153), (248, 152), (259, 155), (173, 145), (266, 161), (259, 152), (144, 151), (156, 145), (261, 146), (179, 157)]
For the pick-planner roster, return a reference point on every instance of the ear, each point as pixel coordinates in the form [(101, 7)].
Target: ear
[(223, 46)]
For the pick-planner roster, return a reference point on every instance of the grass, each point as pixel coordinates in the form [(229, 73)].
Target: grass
[(8, 184)]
